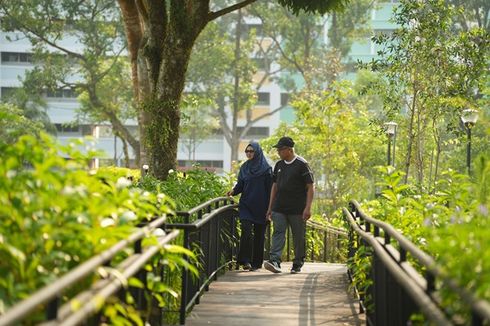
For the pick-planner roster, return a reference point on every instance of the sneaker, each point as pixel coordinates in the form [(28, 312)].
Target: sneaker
[(247, 267), (272, 266), (295, 269)]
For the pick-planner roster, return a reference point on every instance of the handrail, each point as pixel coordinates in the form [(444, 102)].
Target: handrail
[(53, 290), (329, 228), (193, 226), (126, 271), (419, 295), (478, 306), (482, 307), (205, 205), (208, 213)]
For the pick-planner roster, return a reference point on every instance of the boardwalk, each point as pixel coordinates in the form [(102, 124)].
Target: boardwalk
[(319, 295)]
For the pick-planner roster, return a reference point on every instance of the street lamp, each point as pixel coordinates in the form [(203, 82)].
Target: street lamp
[(390, 130), (145, 169), (469, 118)]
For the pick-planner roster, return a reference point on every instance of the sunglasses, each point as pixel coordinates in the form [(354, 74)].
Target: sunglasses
[(249, 151)]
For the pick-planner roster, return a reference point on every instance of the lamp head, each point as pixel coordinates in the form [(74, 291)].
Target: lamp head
[(390, 128), (469, 117)]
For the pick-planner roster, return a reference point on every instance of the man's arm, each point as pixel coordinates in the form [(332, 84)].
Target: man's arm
[(268, 215), (309, 199)]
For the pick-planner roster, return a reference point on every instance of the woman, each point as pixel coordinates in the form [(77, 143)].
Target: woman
[(254, 183)]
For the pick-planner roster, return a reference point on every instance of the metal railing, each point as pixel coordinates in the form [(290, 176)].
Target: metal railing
[(398, 290), (88, 302), (332, 240), (211, 228)]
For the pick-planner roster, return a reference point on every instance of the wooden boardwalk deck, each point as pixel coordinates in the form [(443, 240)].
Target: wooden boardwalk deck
[(318, 295)]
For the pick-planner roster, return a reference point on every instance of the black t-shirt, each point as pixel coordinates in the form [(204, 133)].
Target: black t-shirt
[(291, 180)]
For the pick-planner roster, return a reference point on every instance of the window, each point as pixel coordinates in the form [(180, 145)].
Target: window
[(262, 64), (8, 91), (201, 163), (386, 32), (255, 132), (284, 99), (16, 57), (62, 93), (263, 98), (259, 31), (64, 127)]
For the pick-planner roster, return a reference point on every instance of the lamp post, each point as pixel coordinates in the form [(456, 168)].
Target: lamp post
[(390, 130), (469, 118), (145, 169)]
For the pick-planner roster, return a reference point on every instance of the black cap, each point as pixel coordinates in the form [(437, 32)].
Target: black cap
[(284, 142)]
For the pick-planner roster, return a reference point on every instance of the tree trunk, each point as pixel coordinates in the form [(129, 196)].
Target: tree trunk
[(410, 137), (163, 34)]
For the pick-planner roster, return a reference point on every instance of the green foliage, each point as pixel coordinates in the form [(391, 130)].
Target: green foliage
[(102, 74), (313, 6), (56, 213), (189, 188), (332, 132), (360, 265), (431, 70), (114, 173), (14, 124), (452, 219)]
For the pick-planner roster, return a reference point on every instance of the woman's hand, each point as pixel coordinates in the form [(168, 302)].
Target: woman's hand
[(230, 193)]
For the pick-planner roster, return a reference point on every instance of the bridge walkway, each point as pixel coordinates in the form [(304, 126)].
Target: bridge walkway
[(319, 295)]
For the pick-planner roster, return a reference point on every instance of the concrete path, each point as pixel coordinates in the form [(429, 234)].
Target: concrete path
[(319, 295)]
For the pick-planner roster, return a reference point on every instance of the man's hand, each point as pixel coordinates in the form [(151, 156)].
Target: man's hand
[(268, 215), (306, 214), (230, 193)]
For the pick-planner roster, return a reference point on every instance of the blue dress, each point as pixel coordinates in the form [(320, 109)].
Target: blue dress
[(254, 183)]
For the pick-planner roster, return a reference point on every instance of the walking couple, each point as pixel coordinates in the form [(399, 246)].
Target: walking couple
[(283, 196)]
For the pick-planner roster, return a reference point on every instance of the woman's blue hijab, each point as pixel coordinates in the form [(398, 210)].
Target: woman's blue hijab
[(257, 166)]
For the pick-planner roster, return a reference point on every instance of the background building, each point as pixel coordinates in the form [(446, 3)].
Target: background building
[(213, 153)]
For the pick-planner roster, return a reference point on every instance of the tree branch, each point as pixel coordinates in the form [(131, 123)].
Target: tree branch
[(268, 114), (215, 14), (42, 38)]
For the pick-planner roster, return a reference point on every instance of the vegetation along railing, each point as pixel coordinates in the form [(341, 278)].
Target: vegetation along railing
[(85, 304), (210, 230), (401, 281)]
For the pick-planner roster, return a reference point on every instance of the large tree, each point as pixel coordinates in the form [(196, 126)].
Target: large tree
[(161, 36)]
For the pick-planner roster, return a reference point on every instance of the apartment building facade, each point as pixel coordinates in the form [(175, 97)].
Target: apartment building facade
[(213, 153)]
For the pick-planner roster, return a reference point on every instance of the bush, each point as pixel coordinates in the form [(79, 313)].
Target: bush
[(188, 189), (450, 220), (56, 213)]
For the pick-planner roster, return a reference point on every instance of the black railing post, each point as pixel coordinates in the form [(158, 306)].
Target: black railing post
[(183, 291), (325, 238), (138, 293), (476, 320), (218, 245), (52, 308), (431, 282)]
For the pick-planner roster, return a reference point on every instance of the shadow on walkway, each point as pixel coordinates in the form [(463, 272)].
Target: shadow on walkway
[(319, 295)]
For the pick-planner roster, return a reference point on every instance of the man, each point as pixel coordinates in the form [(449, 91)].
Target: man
[(290, 204)]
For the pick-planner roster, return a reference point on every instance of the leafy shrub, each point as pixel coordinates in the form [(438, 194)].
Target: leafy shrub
[(188, 189), (56, 213), (13, 124), (114, 173), (450, 220)]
